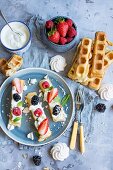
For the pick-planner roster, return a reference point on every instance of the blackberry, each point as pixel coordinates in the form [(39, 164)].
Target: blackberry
[(56, 110), (37, 160), (100, 107), (34, 100), (16, 97)]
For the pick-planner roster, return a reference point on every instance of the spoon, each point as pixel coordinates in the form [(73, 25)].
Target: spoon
[(2, 15)]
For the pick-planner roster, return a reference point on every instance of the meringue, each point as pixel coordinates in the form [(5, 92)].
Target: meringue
[(33, 81), (60, 151), (30, 136), (10, 127), (106, 91), (58, 63)]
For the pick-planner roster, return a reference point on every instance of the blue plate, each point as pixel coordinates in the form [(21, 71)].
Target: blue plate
[(20, 134)]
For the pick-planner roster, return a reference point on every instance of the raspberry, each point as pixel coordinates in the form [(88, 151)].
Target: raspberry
[(45, 85), (100, 107), (38, 112), (16, 111)]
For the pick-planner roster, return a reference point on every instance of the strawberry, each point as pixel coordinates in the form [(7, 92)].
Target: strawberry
[(52, 94), (45, 85), (62, 41), (62, 27), (49, 24), (69, 39), (43, 127), (54, 36), (69, 22), (71, 32), (38, 112), (16, 111), (17, 83)]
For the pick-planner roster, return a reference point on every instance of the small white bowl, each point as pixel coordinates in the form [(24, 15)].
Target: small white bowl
[(27, 43)]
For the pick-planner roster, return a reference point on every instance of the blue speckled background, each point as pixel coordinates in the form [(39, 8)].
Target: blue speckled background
[(90, 16)]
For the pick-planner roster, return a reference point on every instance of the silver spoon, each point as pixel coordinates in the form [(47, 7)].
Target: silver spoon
[(2, 15)]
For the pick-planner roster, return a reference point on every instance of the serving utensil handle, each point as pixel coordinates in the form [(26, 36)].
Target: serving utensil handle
[(82, 145), (74, 135)]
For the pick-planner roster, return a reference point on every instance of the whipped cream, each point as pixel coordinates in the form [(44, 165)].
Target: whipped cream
[(30, 136), (60, 151), (58, 63), (106, 91)]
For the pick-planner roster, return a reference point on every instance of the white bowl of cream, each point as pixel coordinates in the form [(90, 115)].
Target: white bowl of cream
[(13, 42)]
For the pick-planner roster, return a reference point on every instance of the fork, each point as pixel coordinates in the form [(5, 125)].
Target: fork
[(75, 124), (82, 146)]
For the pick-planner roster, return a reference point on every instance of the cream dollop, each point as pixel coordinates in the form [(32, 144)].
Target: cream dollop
[(106, 91), (60, 151), (58, 63)]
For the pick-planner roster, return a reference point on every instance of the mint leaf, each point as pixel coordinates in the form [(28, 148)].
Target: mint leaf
[(50, 88), (37, 134), (17, 119), (65, 99), (20, 104), (57, 99)]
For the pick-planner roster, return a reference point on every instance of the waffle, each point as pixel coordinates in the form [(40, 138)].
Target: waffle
[(61, 117), (94, 66), (15, 62), (2, 62), (8, 68), (7, 71), (97, 69), (80, 67), (108, 59), (15, 120), (37, 119)]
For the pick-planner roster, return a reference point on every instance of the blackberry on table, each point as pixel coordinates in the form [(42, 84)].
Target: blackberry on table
[(34, 100), (56, 110), (100, 107), (16, 97), (37, 160)]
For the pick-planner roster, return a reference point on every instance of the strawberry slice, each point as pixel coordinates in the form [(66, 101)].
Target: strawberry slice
[(43, 127), (18, 84), (52, 94)]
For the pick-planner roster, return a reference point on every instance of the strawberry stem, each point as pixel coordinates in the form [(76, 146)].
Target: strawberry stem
[(58, 20), (52, 31)]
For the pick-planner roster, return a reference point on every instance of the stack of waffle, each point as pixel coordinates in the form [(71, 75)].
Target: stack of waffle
[(8, 68), (91, 61)]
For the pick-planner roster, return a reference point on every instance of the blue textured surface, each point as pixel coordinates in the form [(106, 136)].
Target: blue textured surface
[(90, 16)]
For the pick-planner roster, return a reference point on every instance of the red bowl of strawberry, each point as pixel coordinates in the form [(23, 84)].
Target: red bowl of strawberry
[(60, 33)]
